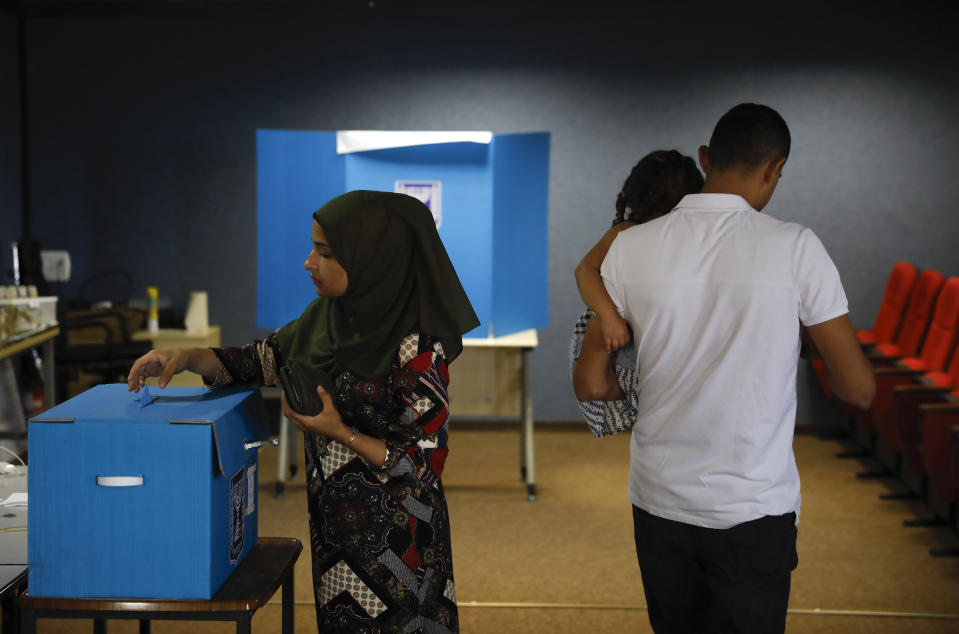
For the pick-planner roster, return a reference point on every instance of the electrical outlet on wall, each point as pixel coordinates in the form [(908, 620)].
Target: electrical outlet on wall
[(56, 265)]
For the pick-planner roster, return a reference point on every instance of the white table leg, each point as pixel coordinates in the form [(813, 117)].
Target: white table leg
[(292, 450), (283, 434), (527, 448)]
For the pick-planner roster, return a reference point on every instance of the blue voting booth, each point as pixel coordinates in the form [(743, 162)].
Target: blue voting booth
[(151, 499), (488, 193)]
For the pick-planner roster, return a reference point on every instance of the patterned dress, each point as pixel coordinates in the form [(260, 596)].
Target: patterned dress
[(380, 537), (605, 418)]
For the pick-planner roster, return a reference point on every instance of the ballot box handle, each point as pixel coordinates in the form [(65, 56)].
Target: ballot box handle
[(120, 481), (259, 443)]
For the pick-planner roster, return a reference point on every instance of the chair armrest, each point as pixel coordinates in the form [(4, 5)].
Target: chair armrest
[(898, 371), (906, 400), (941, 408), (916, 388), (875, 354), (879, 360)]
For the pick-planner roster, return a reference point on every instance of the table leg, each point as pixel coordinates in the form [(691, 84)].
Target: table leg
[(49, 375), (144, 626), (28, 622), (243, 623), (288, 604), (99, 626), (11, 614), (528, 456), (282, 458), (292, 451)]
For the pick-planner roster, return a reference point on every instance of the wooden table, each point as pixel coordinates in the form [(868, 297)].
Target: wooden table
[(268, 566), (43, 339)]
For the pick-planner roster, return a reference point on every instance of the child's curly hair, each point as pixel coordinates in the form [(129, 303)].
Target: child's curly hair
[(655, 185)]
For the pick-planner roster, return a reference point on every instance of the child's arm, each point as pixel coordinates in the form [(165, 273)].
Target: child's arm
[(615, 333), (593, 376)]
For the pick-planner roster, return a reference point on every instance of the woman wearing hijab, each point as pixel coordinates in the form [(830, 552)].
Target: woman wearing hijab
[(388, 320)]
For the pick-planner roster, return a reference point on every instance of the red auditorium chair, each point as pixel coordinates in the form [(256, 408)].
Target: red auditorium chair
[(936, 421), (939, 428), (922, 299), (894, 301), (895, 297), (906, 412), (936, 348)]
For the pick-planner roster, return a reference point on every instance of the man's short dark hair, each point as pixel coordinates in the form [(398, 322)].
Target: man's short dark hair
[(747, 136)]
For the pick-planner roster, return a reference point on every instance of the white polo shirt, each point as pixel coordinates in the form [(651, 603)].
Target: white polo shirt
[(715, 292)]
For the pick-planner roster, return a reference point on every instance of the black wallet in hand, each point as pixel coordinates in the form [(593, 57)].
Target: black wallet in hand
[(299, 382)]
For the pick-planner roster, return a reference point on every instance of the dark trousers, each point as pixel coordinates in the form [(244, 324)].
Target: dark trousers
[(705, 581)]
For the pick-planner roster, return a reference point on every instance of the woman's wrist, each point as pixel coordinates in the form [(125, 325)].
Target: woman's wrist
[(349, 441), (189, 360), (203, 361), (345, 434)]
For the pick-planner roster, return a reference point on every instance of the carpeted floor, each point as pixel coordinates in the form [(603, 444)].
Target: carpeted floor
[(566, 562)]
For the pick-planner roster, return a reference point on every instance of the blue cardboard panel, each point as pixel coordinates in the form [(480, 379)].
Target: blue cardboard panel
[(297, 172), (467, 205), (180, 533), (227, 507), (244, 423), (520, 231), (494, 226)]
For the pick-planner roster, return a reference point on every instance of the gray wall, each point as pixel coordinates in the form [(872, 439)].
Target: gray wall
[(144, 149)]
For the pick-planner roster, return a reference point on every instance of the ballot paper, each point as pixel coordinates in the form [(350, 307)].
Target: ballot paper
[(144, 397)]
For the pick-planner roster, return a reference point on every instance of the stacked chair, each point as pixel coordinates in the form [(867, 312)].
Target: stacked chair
[(922, 418), (908, 340), (912, 427), (939, 431), (891, 311), (894, 301), (937, 347)]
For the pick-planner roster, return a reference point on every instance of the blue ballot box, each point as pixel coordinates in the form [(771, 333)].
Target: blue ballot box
[(133, 498)]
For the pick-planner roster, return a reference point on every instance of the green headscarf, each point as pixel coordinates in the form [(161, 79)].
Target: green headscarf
[(400, 280)]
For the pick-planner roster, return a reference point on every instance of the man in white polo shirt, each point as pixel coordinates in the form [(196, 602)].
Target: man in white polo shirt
[(717, 296)]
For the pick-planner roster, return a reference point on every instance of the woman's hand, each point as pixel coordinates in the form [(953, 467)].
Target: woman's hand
[(327, 423), (161, 363)]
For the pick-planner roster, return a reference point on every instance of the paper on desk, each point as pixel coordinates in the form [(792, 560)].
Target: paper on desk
[(15, 499)]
